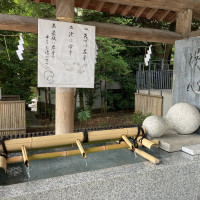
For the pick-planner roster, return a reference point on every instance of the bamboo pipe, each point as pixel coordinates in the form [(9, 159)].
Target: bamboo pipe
[(3, 163), (140, 152), (65, 139), (122, 145), (128, 142), (145, 142), (156, 142), (25, 156), (68, 153), (82, 151), (147, 156)]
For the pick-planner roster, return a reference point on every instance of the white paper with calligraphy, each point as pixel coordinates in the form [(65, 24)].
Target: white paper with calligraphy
[(66, 54)]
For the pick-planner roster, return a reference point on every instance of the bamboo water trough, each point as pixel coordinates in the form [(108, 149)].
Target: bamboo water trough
[(33, 143)]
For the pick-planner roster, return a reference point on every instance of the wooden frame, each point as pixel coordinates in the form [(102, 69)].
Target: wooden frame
[(28, 24)]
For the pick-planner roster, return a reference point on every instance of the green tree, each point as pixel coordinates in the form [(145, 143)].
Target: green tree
[(17, 77)]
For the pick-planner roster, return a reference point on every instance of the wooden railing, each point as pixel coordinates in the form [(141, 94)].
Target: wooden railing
[(154, 79), (12, 117), (146, 103)]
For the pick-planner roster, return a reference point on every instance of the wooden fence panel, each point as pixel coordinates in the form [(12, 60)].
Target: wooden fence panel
[(12, 118), (10, 97), (149, 104)]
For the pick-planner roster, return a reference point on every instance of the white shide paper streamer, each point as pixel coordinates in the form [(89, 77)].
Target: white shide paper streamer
[(20, 47), (148, 56)]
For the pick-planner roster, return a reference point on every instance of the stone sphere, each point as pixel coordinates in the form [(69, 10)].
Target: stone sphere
[(155, 126), (184, 118)]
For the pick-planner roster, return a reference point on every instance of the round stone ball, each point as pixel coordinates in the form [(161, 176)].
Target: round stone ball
[(155, 126), (184, 118)]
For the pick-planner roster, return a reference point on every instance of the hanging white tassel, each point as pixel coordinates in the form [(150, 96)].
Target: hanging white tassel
[(148, 56), (20, 47)]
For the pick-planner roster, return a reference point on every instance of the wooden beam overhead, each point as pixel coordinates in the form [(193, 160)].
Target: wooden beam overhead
[(163, 15), (136, 34), (139, 11), (18, 23), (173, 18), (85, 4), (194, 33), (196, 15), (28, 24), (159, 4), (100, 6), (126, 10), (53, 2), (151, 13), (183, 22), (114, 8)]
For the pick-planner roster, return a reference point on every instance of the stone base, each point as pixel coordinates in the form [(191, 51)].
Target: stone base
[(172, 141), (176, 178), (192, 149)]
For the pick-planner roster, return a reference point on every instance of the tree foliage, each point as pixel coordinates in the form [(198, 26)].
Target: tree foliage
[(117, 59), (17, 77)]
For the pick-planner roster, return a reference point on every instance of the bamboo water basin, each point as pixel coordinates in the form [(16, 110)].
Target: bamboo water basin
[(54, 167)]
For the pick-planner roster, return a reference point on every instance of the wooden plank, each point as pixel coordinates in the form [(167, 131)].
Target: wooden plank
[(183, 22), (53, 2), (12, 118), (163, 15), (194, 33), (136, 34), (173, 18), (10, 98), (85, 4), (114, 8), (126, 10), (172, 5), (151, 13), (27, 24), (18, 23), (196, 14), (145, 104), (139, 11), (100, 6)]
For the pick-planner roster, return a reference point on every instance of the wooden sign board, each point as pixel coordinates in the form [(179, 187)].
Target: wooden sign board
[(66, 54)]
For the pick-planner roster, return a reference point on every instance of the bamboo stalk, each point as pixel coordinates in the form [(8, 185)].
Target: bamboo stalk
[(156, 142), (82, 151), (128, 142), (25, 156), (122, 145), (65, 139), (147, 156), (140, 152), (3, 163), (147, 143)]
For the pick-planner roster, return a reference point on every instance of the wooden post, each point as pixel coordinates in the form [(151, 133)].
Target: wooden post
[(183, 22), (64, 96)]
